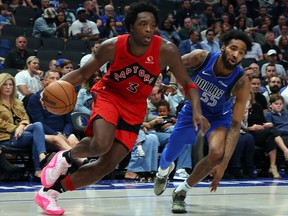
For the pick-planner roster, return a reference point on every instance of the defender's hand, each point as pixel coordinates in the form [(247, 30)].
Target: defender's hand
[(217, 173), (200, 119)]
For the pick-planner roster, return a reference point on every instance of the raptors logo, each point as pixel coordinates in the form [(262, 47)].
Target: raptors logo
[(134, 70)]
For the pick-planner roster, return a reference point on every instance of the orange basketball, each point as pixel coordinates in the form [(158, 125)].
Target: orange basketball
[(59, 97)]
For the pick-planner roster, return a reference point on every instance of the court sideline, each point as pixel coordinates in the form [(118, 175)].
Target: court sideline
[(265, 197)]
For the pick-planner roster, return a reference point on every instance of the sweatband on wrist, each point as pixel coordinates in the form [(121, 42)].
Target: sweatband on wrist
[(189, 87)]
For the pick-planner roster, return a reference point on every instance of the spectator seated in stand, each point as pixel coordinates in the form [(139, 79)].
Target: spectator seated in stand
[(109, 30), (62, 32), (167, 32), (58, 128), (152, 119), (209, 43), (186, 46), (109, 13), (273, 87), (15, 127), (142, 163), (265, 134), (272, 60), (45, 27), (91, 12), (94, 47), (69, 15), (17, 57), (255, 82), (84, 98), (163, 110), (29, 81), (64, 66), (82, 28), (279, 118), (6, 17)]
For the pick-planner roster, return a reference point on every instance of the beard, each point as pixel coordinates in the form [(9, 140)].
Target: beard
[(226, 62), (274, 89)]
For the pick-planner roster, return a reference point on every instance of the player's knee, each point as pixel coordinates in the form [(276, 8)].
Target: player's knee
[(216, 155)]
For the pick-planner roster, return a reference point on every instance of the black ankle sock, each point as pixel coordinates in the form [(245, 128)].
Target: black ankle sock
[(68, 157), (57, 186)]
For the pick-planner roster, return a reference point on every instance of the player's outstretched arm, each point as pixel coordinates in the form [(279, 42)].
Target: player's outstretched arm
[(105, 54), (241, 92), (169, 55)]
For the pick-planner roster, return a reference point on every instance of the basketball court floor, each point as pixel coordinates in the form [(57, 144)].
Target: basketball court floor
[(260, 197)]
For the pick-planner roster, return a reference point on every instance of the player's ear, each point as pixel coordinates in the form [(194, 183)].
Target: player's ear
[(223, 48), (131, 27)]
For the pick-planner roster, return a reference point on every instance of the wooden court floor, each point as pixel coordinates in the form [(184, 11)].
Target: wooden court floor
[(265, 197)]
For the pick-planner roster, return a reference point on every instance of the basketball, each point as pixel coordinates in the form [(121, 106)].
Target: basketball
[(59, 97)]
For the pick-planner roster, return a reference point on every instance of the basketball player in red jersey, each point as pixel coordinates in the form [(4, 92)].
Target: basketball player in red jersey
[(120, 106)]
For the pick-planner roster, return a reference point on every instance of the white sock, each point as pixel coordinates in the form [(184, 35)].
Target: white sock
[(183, 186), (162, 172)]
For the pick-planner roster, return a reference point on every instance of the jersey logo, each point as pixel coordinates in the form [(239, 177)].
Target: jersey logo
[(133, 87), (226, 112), (134, 70), (222, 83), (149, 60), (205, 73)]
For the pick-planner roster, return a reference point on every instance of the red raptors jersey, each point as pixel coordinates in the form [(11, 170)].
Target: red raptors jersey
[(129, 80)]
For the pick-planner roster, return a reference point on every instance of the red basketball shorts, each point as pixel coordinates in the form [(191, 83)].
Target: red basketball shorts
[(111, 110)]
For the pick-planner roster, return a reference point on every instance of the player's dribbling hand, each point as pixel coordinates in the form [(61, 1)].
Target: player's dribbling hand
[(204, 123), (217, 173)]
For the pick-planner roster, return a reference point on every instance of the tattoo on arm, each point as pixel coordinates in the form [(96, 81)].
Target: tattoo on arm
[(231, 141), (240, 84)]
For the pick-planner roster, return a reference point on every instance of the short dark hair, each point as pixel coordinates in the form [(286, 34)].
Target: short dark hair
[(191, 32), (163, 103), (237, 35), (254, 76), (275, 97), (138, 7), (209, 30), (270, 65)]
